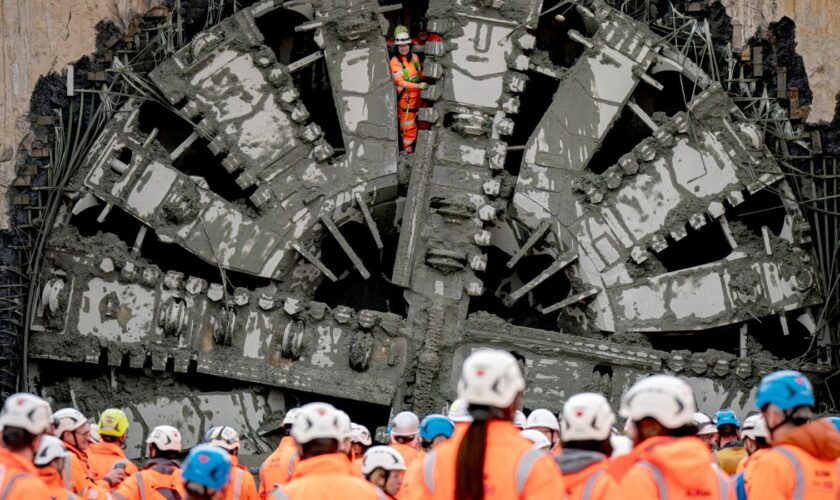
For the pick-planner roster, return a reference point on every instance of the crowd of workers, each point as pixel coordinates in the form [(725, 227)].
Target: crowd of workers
[(484, 448)]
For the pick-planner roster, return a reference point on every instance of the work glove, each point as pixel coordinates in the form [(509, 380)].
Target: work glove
[(423, 85)]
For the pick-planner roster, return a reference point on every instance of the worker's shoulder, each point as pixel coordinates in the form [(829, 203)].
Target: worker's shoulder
[(26, 486)]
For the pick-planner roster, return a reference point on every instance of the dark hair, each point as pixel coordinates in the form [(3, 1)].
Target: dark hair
[(165, 454), (16, 439), (111, 439), (469, 466), (761, 442), (604, 447), (645, 424), (727, 430), (403, 439), (684, 431), (317, 447)]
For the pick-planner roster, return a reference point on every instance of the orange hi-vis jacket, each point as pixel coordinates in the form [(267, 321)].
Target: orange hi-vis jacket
[(585, 473), (750, 459), (77, 475), (275, 470), (676, 468), (326, 477), (102, 457), (409, 453), (512, 469), (407, 75), (804, 465), (52, 478), (241, 485), (413, 474), (157, 475), (19, 478)]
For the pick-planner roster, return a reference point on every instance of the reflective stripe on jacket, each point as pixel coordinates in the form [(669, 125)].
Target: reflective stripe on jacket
[(511, 468), (326, 477)]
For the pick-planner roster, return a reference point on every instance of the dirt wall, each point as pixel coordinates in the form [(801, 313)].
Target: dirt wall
[(816, 36), (37, 37)]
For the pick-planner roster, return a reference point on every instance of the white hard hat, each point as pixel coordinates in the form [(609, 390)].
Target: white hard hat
[(754, 427), (621, 445), (94, 436), (519, 419), (538, 438), (50, 448), (28, 412), (542, 419), (704, 424), (402, 39), (667, 399), (491, 377), (345, 424), (68, 420), (361, 434), (587, 417), (224, 437), (289, 419), (318, 421), (459, 411), (405, 423), (382, 457), (165, 438)]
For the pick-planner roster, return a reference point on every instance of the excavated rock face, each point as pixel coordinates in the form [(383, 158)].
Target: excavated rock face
[(571, 191)]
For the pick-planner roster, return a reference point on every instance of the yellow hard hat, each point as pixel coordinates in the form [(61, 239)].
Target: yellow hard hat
[(113, 422)]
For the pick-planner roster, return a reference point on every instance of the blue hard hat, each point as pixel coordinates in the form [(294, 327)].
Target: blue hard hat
[(726, 416), (208, 466), (836, 422), (436, 425), (787, 389)]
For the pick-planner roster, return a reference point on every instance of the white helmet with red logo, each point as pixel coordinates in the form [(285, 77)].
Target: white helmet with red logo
[(491, 377), (318, 421), (586, 417)]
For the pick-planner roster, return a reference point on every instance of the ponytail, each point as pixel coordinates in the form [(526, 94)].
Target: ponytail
[(469, 466)]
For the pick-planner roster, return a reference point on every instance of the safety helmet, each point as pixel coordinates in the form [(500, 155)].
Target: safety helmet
[(665, 398), (345, 424), (587, 416), (208, 466), (405, 423), (459, 411), (28, 412), (361, 434), (727, 417), (420, 24), (290, 417), (542, 419), (165, 438), (94, 436), (382, 457), (49, 449), (113, 422), (223, 437), (704, 424), (436, 425), (786, 389), (68, 420), (538, 438), (317, 421), (401, 36), (491, 377), (519, 420), (755, 427), (835, 421)]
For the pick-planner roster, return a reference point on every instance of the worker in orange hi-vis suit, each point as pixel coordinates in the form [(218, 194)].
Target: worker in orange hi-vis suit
[(407, 73)]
